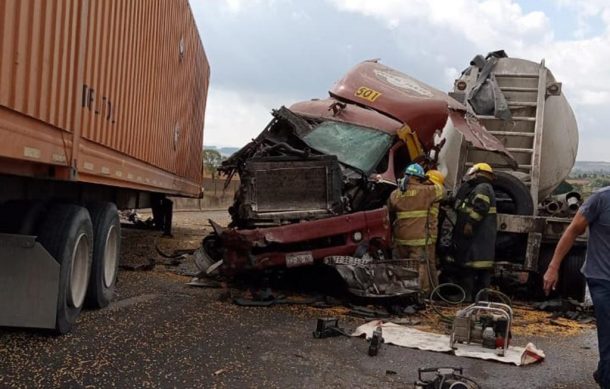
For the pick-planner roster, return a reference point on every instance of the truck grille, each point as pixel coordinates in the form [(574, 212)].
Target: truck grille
[(290, 189)]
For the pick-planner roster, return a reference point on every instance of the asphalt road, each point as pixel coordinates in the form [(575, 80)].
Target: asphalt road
[(161, 333)]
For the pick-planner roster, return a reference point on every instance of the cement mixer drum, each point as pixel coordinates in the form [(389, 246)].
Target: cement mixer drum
[(504, 94)]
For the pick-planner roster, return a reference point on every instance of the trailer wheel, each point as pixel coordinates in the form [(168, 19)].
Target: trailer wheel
[(106, 249), (514, 198), (66, 233), (513, 195), (572, 282)]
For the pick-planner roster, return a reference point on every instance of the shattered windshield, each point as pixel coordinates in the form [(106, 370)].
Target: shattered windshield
[(353, 145)]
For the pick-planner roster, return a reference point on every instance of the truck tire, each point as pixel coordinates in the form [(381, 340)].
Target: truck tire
[(67, 234), (507, 185), (514, 198), (572, 282), (106, 249)]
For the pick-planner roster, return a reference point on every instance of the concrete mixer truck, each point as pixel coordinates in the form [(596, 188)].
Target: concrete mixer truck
[(314, 183), (521, 103)]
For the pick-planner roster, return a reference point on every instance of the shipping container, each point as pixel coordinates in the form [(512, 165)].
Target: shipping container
[(102, 106), (103, 91)]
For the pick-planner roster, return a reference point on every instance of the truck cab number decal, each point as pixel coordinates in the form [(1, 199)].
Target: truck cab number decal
[(367, 93)]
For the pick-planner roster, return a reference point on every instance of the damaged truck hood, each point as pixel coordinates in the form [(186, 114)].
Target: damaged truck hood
[(424, 108)]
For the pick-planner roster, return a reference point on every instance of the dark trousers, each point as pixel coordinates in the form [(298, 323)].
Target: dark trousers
[(163, 210), (473, 280), (600, 294)]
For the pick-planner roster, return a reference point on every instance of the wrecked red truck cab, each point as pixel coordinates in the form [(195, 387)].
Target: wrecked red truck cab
[(315, 182), (305, 243)]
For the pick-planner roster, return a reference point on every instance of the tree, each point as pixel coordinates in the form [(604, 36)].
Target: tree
[(211, 161)]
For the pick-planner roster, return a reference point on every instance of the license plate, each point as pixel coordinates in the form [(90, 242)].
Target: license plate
[(299, 259), (345, 260)]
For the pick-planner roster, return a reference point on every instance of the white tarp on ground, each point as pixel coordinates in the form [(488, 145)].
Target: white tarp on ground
[(413, 338)]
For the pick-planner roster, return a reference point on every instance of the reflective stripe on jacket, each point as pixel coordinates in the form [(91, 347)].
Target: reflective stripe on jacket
[(415, 213), (477, 208), (480, 264)]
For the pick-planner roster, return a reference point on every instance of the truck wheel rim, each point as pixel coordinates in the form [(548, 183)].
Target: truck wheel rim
[(110, 256), (79, 274)]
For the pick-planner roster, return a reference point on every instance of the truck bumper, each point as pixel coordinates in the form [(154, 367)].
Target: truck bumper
[(304, 243), (29, 283), (540, 230)]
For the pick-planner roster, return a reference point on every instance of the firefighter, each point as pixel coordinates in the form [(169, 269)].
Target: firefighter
[(438, 179), (475, 229), (414, 223)]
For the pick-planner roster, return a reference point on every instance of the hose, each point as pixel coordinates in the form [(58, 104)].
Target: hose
[(437, 291), (501, 296), (449, 319)]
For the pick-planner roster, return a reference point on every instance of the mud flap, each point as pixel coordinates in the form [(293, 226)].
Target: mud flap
[(29, 283)]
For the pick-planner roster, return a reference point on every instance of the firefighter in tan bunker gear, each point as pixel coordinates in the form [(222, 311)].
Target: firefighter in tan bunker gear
[(414, 213)]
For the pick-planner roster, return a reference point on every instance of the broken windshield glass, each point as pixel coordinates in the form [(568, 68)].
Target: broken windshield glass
[(353, 145)]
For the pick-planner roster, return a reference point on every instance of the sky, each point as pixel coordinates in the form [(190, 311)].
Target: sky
[(268, 53)]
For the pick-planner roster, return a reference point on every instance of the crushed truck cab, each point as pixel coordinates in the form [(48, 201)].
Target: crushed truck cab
[(315, 182)]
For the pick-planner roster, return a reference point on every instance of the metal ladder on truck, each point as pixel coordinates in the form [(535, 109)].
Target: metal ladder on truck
[(525, 94)]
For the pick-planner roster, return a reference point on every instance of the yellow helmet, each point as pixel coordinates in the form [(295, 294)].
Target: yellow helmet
[(480, 167), (436, 177)]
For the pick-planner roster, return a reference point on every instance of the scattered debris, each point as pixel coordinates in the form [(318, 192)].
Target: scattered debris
[(409, 321), (556, 323), (148, 266), (381, 279), (132, 216), (567, 308), (204, 283), (410, 310), (552, 305), (127, 302), (220, 371), (368, 313), (375, 342), (279, 300), (587, 320), (327, 327), (180, 253), (215, 266), (203, 261), (327, 302)]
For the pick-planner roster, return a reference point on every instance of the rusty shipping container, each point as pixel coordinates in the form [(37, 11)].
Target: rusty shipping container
[(104, 92)]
